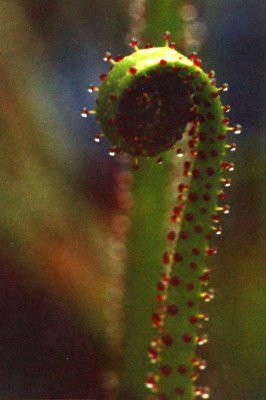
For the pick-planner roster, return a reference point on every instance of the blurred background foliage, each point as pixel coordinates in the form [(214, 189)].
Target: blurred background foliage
[(59, 197)]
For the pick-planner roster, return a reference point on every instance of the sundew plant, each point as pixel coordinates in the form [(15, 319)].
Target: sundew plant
[(117, 269), (161, 109)]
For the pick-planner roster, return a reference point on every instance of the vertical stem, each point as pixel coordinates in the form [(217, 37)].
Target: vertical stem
[(146, 240), (145, 246)]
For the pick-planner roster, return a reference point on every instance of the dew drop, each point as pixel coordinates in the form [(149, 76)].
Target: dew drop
[(112, 151), (91, 88), (227, 182), (226, 209), (179, 153), (226, 121), (204, 317), (202, 365), (194, 376), (228, 166), (203, 392), (153, 355), (156, 320), (215, 218), (204, 278), (197, 62), (221, 195), (166, 36), (150, 381), (224, 87), (232, 147), (133, 42), (107, 56), (218, 230), (84, 112), (193, 55), (199, 363), (212, 250), (208, 295), (237, 129), (98, 137), (203, 339), (227, 108), (211, 74)]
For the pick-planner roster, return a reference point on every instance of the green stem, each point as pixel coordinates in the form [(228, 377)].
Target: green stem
[(178, 315), (145, 249)]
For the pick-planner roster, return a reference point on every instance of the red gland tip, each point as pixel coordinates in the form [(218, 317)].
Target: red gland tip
[(171, 235), (119, 58), (180, 391), (166, 258), (197, 62), (187, 338), (103, 77), (107, 56), (226, 121), (172, 310), (211, 74), (166, 370), (212, 250), (166, 36), (149, 46), (193, 56), (133, 42), (213, 95), (182, 369), (227, 108), (132, 70), (91, 88)]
